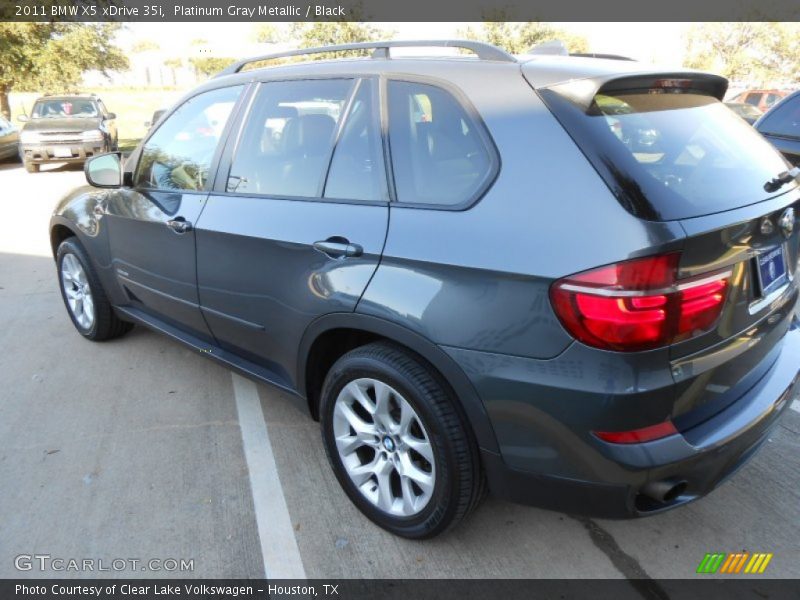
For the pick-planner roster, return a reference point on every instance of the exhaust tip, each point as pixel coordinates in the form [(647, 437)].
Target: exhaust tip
[(664, 491)]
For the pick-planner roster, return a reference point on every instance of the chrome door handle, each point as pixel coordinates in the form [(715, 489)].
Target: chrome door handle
[(337, 247), (179, 225)]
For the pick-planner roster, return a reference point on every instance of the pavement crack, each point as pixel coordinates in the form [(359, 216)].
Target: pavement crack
[(626, 564)]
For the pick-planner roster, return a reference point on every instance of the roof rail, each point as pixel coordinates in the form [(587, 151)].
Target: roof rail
[(381, 50)]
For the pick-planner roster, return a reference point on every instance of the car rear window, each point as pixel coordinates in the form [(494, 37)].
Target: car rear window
[(783, 120), (669, 154)]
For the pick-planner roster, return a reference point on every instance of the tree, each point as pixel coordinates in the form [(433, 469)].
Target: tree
[(52, 57), (268, 33), (327, 33), (209, 66), (145, 46), (519, 37), (757, 53)]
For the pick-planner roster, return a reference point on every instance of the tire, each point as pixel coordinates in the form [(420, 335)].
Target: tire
[(458, 483), (31, 167), (104, 323)]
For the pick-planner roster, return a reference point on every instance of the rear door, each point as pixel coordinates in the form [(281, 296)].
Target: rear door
[(151, 224), (295, 226)]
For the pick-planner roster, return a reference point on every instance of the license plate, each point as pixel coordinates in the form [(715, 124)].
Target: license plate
[(62, 152), (771, 270)]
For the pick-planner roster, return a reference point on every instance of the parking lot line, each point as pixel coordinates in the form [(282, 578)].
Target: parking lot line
[(796, 406), (278, 544)]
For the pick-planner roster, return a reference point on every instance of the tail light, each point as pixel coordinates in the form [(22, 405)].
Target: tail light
[(638, 304)]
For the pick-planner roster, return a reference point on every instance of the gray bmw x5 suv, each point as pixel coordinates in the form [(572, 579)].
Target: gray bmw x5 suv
[(568, 281)]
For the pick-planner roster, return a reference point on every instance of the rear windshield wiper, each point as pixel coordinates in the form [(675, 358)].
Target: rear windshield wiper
[(778, 182)]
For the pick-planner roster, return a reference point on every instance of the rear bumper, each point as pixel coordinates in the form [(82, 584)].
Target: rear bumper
[(702, 457), (44, 153)]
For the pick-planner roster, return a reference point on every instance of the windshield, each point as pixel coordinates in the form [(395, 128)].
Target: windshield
[(64, 107), (674, 155)]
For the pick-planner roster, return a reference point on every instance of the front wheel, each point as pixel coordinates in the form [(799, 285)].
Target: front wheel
[(31, 167), (84, 297), (397, 443)]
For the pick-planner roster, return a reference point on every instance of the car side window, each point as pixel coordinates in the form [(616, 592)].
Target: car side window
[(288, 137), (178, 155), (357, 171), (439, 156), (784, 119)]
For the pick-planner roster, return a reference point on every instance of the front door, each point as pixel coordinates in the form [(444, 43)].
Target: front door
[(151, 224), (297, 221)]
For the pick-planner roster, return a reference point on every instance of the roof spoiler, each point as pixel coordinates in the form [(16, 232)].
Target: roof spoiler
[(559, 48), (583, 91)]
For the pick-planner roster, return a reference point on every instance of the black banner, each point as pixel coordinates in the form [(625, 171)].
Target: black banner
[(392, 10), (732, 588)]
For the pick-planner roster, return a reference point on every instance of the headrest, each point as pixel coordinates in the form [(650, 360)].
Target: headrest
[(308, 134), (283, 112)]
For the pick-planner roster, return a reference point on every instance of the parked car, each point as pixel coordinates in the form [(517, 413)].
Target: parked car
[(66, 129), (781, 126), (748, 112), (583, 299), (9, 140), (154, 119), (761, 99)]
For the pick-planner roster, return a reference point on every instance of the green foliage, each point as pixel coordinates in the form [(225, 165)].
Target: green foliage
[(267, 33), (327, 33), (52, 57), (519, 37), (145, 46), (754, 52), (210, 65)]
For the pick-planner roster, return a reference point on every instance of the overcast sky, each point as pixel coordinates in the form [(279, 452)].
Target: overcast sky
[(651, 42)]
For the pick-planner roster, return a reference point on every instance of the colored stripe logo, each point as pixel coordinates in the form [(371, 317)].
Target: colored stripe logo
[(735, 563)]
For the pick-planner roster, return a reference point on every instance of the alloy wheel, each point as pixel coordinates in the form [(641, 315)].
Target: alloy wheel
[(384, 447), (77, 291)]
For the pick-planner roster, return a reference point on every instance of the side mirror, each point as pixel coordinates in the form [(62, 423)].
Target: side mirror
[(22, 118), (105, 170), (111, 116)]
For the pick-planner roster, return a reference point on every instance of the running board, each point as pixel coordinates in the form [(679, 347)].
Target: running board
[(235, 363)]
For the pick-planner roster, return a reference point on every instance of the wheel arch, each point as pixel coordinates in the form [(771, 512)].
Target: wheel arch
[(330, 336), (59, 231)]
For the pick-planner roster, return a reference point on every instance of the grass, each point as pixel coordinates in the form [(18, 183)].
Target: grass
[(133, 107)]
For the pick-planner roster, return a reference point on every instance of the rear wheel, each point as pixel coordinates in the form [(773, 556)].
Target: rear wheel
[(397, 443), (31, 167), (84, 297)]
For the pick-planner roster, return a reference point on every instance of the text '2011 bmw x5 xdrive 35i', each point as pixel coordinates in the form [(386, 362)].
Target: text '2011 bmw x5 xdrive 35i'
[(569, 281)]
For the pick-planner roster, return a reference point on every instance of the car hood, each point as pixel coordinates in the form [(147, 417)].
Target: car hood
[(62, 125)]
